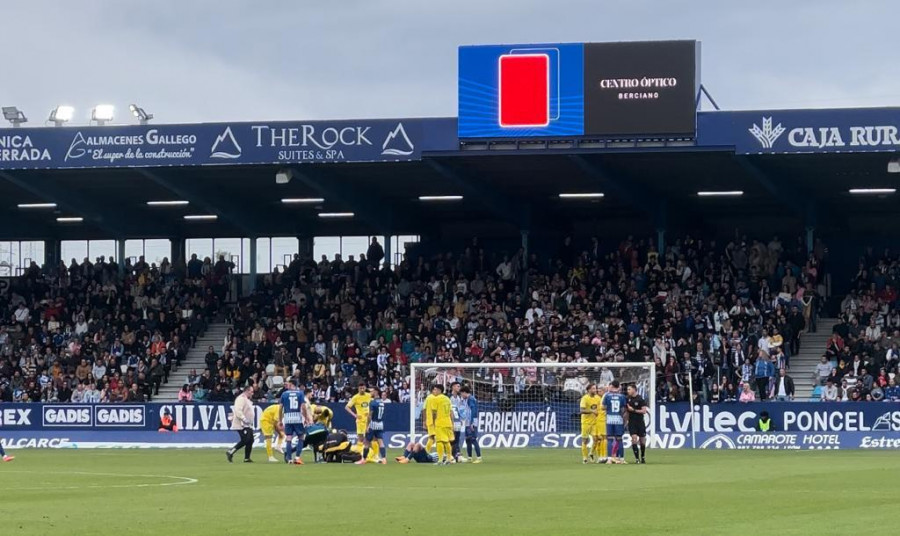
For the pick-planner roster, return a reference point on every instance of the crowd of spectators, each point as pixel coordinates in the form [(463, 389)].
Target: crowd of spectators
[(100, 332), (861, 359), (728, 314)]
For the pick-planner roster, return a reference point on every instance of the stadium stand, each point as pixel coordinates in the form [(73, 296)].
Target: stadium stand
[(91, 332), (87, 332)]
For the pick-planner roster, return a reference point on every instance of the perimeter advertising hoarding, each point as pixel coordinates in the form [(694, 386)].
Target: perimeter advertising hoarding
[(574, 89), (796, 426)]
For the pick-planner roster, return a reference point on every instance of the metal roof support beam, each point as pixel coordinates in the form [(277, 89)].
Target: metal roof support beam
[(225, 209), (654, 207), (508, 210), (636, 197), (378, 215), (118, 223), (794, 199)]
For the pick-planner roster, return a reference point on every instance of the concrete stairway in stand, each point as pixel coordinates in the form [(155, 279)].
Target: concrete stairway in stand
[(803, 365), (215, 337)]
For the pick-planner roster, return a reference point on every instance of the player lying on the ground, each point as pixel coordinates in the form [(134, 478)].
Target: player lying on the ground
[(417, 453)]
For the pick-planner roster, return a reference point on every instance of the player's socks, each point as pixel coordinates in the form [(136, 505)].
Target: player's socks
[(643, 450), (383, 453), (288, 451), (429, 445), (620, 449), (610, 448), (269, 447), (365, 453), (584, 449), (440, 451), (636, 451)]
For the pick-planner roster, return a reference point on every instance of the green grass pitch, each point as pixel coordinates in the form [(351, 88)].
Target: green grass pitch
[(519, 492)]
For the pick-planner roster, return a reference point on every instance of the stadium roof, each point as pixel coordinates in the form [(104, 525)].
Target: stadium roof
[(506, 186)]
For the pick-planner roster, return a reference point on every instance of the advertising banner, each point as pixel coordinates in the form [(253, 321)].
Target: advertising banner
[(645, 88), (795, 426), (802, 131), (283, 142), (574, 89)]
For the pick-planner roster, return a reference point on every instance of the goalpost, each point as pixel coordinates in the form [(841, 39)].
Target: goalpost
[(533, 402)]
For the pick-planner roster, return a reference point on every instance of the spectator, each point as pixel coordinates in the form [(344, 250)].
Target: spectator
[(784, 387), (823, 370), (830, 392), (185, 394), (764, 371), (747, 394)]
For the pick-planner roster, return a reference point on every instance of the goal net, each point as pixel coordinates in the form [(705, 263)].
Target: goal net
[(527, 404)]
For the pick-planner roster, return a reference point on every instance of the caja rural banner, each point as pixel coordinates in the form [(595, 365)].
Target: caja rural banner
[(725, 426), (283, 142), (802, 131)]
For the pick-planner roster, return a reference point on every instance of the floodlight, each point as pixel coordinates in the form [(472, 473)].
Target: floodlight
[(14, 115), (102, 113), (141, 115), (61, 114)]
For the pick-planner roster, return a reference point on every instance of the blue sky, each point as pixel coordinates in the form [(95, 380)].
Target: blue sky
[(199, 60)]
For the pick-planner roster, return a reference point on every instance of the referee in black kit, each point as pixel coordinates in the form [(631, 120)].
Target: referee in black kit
[(637, 428), (242, 420)]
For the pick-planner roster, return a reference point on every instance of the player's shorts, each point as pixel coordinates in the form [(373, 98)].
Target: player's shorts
[(361, 428), (443, 434), (374, 434), (267, 428), (294, 429), (615, 430), (638, 428), (588, 429)]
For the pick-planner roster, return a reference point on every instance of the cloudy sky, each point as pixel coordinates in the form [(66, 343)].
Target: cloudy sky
[(204, 60)]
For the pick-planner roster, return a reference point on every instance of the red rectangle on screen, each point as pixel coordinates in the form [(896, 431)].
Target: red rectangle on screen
[(524, 89)]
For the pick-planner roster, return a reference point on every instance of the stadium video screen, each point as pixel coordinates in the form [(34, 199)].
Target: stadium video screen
[(574, 89), (646, 88)]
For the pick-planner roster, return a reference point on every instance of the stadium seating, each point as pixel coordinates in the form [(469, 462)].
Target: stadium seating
[(704, 308)]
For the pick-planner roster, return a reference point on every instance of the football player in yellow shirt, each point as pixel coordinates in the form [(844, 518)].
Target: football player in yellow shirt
[(269, 425), (443, 424), (358, 408), (590, 411), (322, 415), (600, 429), (428, 420)]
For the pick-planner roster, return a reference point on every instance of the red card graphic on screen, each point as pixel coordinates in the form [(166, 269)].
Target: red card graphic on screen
[(524, 89)]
